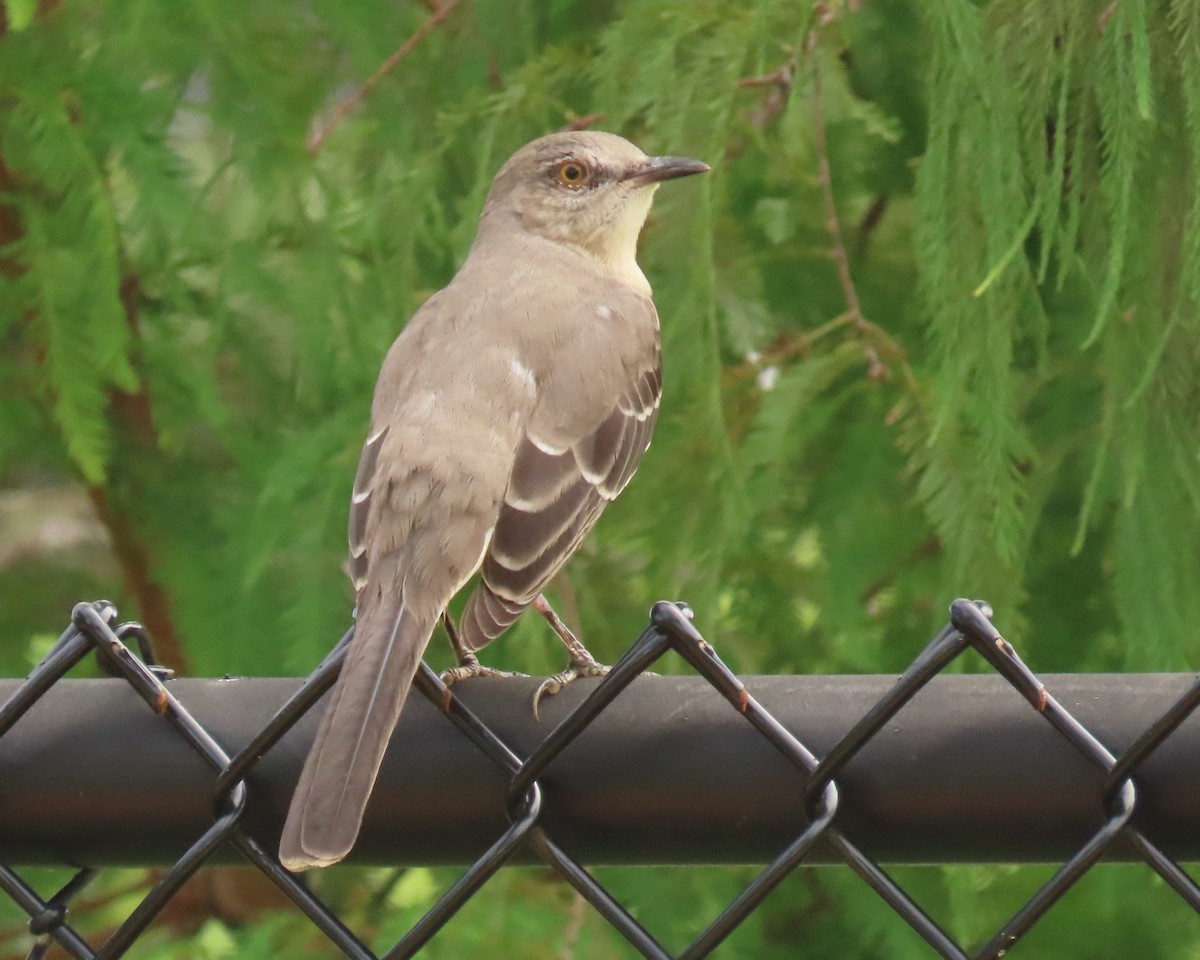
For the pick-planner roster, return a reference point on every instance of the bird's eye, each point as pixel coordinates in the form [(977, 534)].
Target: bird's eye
[(572, 173)]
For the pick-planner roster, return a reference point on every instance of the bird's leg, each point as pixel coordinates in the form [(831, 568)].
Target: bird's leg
[(575, 648), (582, 664), (468, 664)]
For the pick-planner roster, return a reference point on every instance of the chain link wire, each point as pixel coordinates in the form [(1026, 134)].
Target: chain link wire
[(94, 627)]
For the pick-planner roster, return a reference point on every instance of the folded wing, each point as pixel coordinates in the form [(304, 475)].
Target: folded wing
[(555, 494)]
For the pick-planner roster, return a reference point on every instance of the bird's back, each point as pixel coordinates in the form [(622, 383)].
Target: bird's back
[(459, 392)]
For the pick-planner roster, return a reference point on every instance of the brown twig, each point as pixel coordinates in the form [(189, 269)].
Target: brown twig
[(784, 348), (878, 370), (133, 412), (11, 228), (154, 603), (780, 80), (135, 415), (868, 224), (875, 340), (781, 76), (439, 13)]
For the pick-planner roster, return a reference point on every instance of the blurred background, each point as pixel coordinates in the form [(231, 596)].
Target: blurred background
[(930, 330)]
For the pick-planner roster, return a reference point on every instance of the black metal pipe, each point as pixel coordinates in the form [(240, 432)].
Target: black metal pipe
[(669, 773)]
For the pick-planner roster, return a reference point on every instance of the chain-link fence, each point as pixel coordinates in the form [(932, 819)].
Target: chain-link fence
[(817, 805)]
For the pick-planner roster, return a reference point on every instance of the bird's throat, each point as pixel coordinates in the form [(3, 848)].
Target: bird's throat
[(614, 246)]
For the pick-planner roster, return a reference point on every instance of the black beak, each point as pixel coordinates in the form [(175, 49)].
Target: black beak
[(656, 169)]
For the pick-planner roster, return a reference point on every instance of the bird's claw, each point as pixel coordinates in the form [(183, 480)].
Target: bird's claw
[(473, 668), (577, 669)]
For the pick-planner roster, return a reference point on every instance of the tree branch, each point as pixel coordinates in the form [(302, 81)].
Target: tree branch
[(878, 370), (785, 348), (154, 604), (874, 338), (780, 82), (440, 11), (134, 412), (11, 228), (868, 224)]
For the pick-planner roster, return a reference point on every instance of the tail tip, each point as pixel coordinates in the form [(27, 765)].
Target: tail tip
[(297, 861)]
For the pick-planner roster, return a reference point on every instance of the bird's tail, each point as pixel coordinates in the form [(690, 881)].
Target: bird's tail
[(327, 808)]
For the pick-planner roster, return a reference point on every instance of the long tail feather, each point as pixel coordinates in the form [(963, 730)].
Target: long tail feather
[(327, 808)]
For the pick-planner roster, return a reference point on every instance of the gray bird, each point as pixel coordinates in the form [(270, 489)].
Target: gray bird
[(513, 407)]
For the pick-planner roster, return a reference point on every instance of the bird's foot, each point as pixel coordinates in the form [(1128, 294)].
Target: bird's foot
[(469, 667), (586, 666)]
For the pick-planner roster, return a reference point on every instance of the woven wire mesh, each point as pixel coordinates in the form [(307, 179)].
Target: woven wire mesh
[(94, 626)]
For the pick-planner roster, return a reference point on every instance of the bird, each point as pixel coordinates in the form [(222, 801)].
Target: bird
[(510, 410)]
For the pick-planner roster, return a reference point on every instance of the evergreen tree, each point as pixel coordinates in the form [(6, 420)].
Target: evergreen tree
[(930, 331)]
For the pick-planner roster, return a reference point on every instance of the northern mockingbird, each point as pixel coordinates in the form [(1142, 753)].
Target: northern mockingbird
[(513, 407)]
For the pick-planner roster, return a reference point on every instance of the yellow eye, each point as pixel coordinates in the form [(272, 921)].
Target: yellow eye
[(572, 173)]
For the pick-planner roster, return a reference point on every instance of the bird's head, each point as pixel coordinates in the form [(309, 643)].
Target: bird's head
[(587, 188)]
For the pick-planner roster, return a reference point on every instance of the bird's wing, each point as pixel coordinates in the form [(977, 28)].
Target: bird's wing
[(561, 483), (430, 483), (360, 506)]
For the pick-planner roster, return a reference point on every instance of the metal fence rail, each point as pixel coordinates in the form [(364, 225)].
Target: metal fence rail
[(1060, 790)]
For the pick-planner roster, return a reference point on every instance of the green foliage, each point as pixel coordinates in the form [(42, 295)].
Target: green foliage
[(193, 310)]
